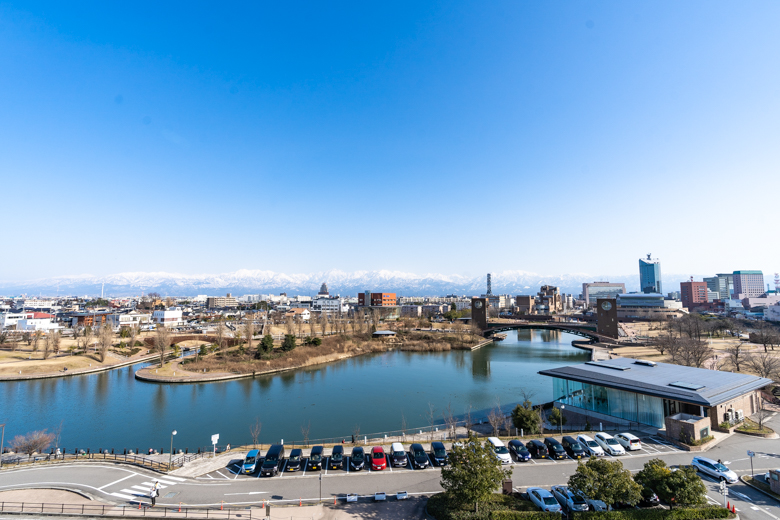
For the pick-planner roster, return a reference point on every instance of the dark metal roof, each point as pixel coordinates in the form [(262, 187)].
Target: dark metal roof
[(663, 380)]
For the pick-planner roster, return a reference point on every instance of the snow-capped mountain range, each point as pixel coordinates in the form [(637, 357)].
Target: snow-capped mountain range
[(246, 281)]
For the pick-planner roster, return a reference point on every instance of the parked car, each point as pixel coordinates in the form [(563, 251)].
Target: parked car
[(337, 457), (590, 446), (714, 469), (569, 500), (649, 498), (543, 499), (573, 447), (629, 441), (274, 458), (398, 457), (597, 505), (554, 448), (357, 459), (519, 450), (537, 449), (439, 453), (294, 460), (501, 451), (609, 444), (250, 462), (378, 459), (315, 458), (419, 458)]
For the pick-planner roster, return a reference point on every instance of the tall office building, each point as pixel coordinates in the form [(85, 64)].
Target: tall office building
[(650, 275), (748, 284), (693, 294), (721, 283)]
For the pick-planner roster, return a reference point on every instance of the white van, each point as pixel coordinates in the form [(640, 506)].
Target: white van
[(398, 455), (591, 447), (502, 452)]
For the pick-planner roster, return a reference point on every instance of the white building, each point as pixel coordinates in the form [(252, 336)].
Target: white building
[(168, 317), (9, 319), (37, 321), (36, 304), (772, 312), (329, 305), (128, 319)]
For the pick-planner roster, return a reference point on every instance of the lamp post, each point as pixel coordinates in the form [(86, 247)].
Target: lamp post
[(170, 458), (562, 407), (2, 443)]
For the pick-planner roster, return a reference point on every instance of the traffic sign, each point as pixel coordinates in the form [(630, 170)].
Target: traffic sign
[(215, 438), (751, 453)]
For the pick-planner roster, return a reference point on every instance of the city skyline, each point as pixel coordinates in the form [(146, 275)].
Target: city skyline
[(203, 139)]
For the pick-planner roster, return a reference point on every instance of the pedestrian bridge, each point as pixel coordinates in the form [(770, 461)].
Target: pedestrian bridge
[(586, 330)]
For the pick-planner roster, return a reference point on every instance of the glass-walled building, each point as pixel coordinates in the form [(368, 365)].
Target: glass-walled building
[(647, 392), (650, 275)]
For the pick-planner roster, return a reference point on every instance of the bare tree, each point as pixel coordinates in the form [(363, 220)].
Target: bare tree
[(495, 418), (469, 422), (299, 326), (764, 364), (305, 429), (56, 337), (694, 352), (220, 333), (162, 341), (736, 355), (254, 431), (134, 331), (431, 416), (355, 433), (46, 347), (324, 323), (765, 335), (403, 425), (105, 340), (37, 335), (762, 414), (87, 333), (33, 442), (449, 419), (249, 332), (289, 324)]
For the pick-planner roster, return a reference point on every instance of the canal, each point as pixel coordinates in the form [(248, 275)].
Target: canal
[(114, 410)]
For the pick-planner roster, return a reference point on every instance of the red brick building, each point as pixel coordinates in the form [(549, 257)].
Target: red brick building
[(693, 293), (381, 299)]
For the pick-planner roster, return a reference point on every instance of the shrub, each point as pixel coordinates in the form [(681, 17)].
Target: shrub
[(523, 515), (678, 513), (289, 343)]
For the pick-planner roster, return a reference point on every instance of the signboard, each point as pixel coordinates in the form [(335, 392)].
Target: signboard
[(215, 438), (751, 453)]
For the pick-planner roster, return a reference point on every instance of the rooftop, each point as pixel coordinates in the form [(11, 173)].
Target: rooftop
[(687, 384)]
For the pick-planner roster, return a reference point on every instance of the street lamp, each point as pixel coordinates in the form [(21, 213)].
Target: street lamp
[(562, 407), (170, 458), (2, 442)]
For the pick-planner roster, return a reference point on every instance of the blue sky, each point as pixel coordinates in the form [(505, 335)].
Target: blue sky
[(454, 137)]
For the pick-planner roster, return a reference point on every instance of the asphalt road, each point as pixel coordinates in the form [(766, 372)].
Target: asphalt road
[(126, 485)]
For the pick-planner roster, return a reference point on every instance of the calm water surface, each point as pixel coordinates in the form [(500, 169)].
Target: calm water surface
[(113, 410)]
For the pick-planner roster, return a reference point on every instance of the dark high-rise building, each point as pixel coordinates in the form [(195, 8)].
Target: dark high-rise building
[(650, 275)]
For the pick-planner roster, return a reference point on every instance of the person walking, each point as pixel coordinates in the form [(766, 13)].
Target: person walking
[(154, 492)]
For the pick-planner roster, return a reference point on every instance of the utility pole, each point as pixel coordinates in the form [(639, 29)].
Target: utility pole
[(2, 442)]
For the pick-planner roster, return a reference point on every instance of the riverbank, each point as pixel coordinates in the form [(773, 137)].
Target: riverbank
[(238, 364), (64, 367)]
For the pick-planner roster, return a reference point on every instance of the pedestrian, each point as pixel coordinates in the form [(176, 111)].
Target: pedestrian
[(228, 448), (153, 493), (353, 438)]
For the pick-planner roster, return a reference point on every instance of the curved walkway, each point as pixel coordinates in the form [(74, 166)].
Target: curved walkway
[(69, 373)]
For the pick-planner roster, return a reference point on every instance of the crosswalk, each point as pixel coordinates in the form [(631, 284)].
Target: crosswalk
[(136, 491)]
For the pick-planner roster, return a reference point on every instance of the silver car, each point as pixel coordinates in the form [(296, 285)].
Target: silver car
[(569, 500), (544, 500)]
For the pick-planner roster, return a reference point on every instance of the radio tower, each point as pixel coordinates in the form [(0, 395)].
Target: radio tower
[(489, 287)]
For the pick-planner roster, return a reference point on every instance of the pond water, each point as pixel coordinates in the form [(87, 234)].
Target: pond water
[(114, 410)]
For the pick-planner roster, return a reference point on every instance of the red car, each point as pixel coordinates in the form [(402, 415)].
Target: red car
[(378, 459)]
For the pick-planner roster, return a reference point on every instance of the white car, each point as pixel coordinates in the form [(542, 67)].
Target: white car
[(628, 441), (543, 499), (502, 452), (591, 447), (609, 444), (714, 469)]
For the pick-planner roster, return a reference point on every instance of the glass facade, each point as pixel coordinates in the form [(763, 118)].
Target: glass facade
[(650, 276), (630, 406)]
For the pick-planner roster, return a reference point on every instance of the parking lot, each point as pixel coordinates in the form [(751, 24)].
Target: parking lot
[(651, 446)]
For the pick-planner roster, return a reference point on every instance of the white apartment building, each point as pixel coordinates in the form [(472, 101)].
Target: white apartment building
[(9, 319), (168, 317), (129, 319), (329, 305), (37, 304)]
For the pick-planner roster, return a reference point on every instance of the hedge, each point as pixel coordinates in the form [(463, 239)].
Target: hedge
[(678, 513)]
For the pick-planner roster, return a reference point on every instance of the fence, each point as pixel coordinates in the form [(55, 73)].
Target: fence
[(55, 458), (128, 511)]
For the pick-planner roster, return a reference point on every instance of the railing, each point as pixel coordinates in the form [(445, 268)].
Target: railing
[(129, 511), (81, 457)]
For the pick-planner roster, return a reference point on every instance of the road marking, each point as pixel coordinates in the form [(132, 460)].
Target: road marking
[(178, 479), (118, 481), (161, 481), (150, 484), (740, 495), (250, 493), (140, 488), (130, 492), (120, 495), (221, 475)]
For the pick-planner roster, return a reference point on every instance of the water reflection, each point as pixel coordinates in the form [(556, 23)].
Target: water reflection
[(115, 410)]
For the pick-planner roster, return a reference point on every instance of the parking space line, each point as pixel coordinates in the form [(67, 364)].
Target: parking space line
[(221, 475)]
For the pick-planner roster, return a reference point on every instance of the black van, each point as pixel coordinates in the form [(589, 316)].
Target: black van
[(537, 449), (315, 459), (357, 459), (273, 461), (573, 447), (295, 460), (554, 448), (419, 458), (337, 457), (438, 453)]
